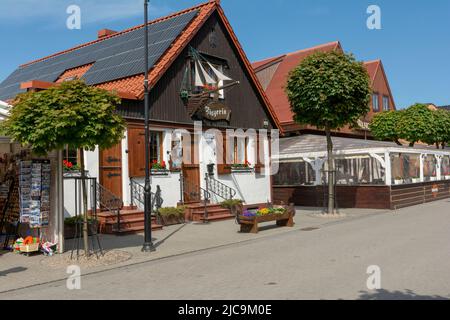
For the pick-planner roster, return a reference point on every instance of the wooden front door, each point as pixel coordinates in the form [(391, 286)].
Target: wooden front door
[(191, 185), (111, 169)]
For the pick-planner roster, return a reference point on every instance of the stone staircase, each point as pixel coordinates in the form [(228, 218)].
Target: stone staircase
[(132, 222), (196, 213)]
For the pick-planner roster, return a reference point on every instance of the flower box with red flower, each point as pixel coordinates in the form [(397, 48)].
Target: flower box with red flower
[(159, 168), (70, 167)]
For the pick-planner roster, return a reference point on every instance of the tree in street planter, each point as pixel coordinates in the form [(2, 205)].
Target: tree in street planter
[(70, 114), (329, 90), (384, 126), (416, 124), (441, 126)]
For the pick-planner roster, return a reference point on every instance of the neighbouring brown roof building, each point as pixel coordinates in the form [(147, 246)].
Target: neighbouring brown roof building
[(273, 74)]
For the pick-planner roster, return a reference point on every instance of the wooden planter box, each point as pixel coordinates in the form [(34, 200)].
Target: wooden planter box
[(250, 224)]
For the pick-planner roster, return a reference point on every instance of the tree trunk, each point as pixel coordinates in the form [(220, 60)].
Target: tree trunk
[(85, 206), (331, 175)]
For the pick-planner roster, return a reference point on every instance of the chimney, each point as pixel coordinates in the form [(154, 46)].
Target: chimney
[(105, 33)]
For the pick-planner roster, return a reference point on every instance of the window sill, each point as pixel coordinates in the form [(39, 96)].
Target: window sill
[(242, 170), (164, 172)]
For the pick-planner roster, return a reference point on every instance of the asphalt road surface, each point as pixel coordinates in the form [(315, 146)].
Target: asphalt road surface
[(410, 249)]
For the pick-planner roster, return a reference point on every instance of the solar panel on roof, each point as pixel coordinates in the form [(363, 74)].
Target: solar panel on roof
[(114, 58)]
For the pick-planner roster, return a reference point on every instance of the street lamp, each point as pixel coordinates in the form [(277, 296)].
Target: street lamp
[(148, 244)]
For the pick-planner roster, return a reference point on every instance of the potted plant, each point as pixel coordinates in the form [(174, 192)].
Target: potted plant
[(70, 167), (398, 180), (234, 205), (246, 166), (159, 168), (416, 180), (70, 226)]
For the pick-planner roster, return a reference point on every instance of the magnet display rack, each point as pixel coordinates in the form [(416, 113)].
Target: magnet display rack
[(34, 183)]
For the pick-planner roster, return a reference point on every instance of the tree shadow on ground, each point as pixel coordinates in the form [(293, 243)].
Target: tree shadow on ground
[(161, 242), (398, 295), (4, 273)]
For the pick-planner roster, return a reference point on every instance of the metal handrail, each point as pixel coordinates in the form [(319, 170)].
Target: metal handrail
[(219, 189), (106, 199), (137, 192), (138, 195), (196, 194), (102, 198)]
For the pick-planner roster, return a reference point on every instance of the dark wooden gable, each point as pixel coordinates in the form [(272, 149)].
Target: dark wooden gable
[(248, 109)]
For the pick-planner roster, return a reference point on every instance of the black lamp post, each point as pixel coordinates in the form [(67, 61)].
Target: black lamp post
[(148, 244)]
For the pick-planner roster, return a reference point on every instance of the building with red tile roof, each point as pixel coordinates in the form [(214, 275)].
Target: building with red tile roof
[(115, 62), (273, 74)]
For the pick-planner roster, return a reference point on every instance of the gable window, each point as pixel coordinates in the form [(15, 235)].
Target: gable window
[(204, 66), (206, 73), (220, 93), (386, 106), (375, 103)]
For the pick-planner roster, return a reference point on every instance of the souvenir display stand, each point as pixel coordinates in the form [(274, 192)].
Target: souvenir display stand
[(25, 198)]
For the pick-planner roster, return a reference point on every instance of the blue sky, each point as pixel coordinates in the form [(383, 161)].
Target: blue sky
[(414, 42)]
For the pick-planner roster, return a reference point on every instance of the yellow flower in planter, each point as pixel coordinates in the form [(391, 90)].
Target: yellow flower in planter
[(264, 212)]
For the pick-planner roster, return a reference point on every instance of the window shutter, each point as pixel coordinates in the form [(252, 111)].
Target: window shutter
[(259, 165), (136, 152), (223, 166)]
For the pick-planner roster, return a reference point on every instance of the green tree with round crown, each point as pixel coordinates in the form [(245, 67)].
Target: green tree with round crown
[(329, 90), (71, 114)]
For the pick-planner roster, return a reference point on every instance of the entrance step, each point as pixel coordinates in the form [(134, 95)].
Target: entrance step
[(196, 213), (218, 217), (131, 222)]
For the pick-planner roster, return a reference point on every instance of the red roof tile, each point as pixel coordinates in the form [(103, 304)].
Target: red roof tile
[(77, 73)]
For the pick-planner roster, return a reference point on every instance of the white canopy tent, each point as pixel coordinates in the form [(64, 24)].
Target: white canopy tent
[(359, 161)]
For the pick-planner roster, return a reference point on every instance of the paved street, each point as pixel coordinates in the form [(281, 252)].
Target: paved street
[(411, 246)]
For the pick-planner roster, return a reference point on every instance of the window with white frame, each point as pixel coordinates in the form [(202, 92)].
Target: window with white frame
[(240, 150), (386, 106), (375, 103)]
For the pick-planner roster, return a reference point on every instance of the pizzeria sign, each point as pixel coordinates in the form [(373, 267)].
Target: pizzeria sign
[(216, 111)]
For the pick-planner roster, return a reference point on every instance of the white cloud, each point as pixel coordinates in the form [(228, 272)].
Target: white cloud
[(92, 11)]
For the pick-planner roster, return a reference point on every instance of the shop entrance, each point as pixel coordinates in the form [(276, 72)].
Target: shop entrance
[(111, 169), (191, 183)]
